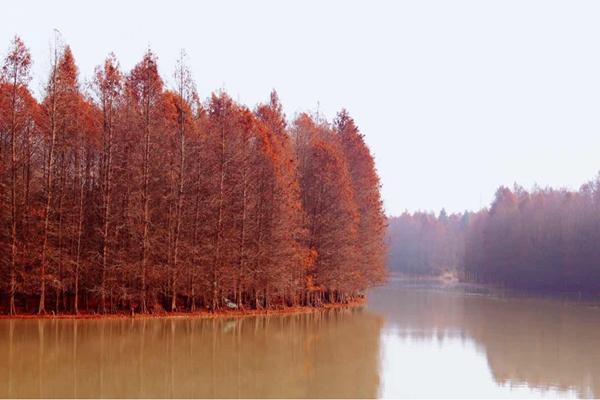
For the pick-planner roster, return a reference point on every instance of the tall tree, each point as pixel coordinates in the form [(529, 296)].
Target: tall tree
[(144, 88), (186, 96), (15, 75), (60, 109), (285, 208), (108, 85), (332, 215), (222, 147), (365, 184)]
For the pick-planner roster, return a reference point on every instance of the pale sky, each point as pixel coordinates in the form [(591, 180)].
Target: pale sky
[(454, 97)]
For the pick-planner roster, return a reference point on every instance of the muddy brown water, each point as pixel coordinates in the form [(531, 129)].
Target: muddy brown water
[(410, 340)]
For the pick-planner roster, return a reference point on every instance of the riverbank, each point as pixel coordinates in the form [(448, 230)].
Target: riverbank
[(446, 278), (475, 288), (224, 313)]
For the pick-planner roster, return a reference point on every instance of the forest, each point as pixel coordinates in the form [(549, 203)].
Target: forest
[(544, 239), (422, 243), (127, 194)]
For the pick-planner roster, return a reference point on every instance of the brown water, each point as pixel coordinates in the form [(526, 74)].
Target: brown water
[(410, 341)]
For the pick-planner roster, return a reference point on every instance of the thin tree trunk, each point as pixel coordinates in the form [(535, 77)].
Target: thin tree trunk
[(61, 194), (79, 228), (243, 233), (107, 198), (13, 174), (195, 261), (50, 164), (146, 203), (178, 211), (219, 222)]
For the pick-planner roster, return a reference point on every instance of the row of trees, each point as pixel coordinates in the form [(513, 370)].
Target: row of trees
[(135, 196), (422, 243), (543, 239)]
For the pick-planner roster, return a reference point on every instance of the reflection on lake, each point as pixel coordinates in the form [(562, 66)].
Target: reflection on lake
[(454, 343), (311, 355), (410, 341)]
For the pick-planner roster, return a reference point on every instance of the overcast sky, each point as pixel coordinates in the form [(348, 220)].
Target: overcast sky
[(454, 97)]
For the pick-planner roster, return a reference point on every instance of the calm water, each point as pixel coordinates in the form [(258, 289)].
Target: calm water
[(410, 341)]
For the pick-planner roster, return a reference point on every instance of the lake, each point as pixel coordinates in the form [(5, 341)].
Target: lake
[(410, 340)]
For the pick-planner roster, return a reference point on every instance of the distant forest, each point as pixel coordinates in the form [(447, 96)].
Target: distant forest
[(422, 243), (126, 195), (544, 239)]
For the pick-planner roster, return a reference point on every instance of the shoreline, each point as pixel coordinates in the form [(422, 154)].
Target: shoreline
[(495, 288), (204, 314)]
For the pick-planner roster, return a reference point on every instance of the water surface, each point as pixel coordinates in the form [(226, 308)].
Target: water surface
[(466, 342), (410, 341)]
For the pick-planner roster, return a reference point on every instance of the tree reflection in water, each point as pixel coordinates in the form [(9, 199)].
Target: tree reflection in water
[(409, 341), (522, 345), (324, 354)]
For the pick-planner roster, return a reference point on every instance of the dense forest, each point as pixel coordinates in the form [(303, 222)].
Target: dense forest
[(422, 243), (543, 239), (132, 195)]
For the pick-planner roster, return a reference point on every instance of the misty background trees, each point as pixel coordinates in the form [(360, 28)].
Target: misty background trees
[(422, 243), (543, 239), (125, 193)]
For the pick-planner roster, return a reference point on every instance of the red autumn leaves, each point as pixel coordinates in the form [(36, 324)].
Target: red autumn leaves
[(135, 196)]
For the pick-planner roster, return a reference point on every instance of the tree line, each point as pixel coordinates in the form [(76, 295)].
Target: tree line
[(134, 196), (543, 239), (422, 243)]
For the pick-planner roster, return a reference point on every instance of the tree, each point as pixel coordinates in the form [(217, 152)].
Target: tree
[(144, 89), (365, 185), (328, 199), (59, 104), (186, 95), (108, 85), (284, 208), (14, 80)]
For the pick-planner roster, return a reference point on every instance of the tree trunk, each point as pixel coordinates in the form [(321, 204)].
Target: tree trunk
[(219, 224), (178, 210), (79, 227), (13, 174), (49, 182), (146, 204), (107, 196)]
